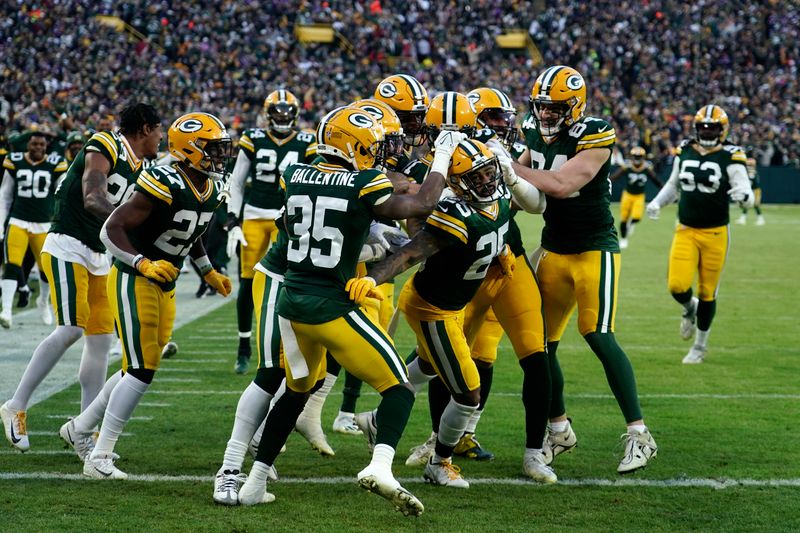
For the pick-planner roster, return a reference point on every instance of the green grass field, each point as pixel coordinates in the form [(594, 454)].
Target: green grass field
[(727, 429)]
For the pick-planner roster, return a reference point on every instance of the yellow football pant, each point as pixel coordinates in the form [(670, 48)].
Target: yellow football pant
[(17, 242), (144, 315), (440, 340), (79, 298), (698, 250), (631, 206), (268, 334), (259, 234), (588, 280)]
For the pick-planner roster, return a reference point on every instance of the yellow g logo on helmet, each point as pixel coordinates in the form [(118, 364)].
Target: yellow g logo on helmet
[(393, 130)]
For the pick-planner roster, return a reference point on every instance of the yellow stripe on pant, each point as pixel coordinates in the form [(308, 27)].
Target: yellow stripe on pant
[(144, 315), (355, 340), (259, 234), (701, 251)]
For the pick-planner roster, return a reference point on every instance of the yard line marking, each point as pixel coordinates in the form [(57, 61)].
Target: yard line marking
[(179, 380), (39, 452), (197, 392), (197, 361), (64, 417), (184, 370), (722, 483)]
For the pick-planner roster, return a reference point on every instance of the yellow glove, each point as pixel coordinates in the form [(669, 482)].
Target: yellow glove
[(220, 283), (161, 270), (362, 288), (508, 261)]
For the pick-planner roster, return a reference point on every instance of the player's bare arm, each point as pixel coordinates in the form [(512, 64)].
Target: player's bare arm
[(127, 216), (95, 185), (422, 246), (572, 175)]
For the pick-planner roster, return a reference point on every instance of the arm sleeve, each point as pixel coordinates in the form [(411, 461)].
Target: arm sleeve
[(236, 183), (738, 179), (6, 196), (669, 192), (127, 258), (528, 197)]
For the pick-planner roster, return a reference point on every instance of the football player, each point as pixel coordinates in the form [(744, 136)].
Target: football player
[(409, 99), (707, 173), (568, 158), (75, 141), (27, 194), (149, 236), (263, 155), (74, 260), (458, 242), (636, 172), (329, 207), (755, 185)]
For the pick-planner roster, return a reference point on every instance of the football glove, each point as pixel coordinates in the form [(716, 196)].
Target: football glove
[(741, 195), (360, 289), (371, 253), (653, 210), (235, 236), (387, 236), (509, 176), (508, 261), (161, 270), (447, 142), (221, 283)]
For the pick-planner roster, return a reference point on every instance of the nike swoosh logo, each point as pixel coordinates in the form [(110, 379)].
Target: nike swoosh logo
[(14, 438), (602, 130), (105, 474)]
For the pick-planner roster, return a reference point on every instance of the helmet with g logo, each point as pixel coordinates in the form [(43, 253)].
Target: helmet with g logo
[(351, 135), (560, 91), (201, 141), (393, 130), (496, 112), (409, 99)]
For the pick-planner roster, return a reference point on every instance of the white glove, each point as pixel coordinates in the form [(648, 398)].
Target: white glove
[(235, 236), (497, 147), (653, 210), (447, 141), (371, 253), (509, 176), (386, 235), (741, 195)]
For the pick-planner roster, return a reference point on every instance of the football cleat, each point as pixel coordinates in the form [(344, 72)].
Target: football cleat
[(226, 486), (623, 243), (45, 313), (688, 320), (170, 349), (445, 474), (345, 423), (242, 364), (469, 447), (5, 318), (420, 455), (639, 449), (82, 443), (696, 355), (311, 430), (366, 423), (760, 220), (556, 443), (16, 427), (253, 492), (24, 296), (379, 480), (535, 468), (742, 220), (102, 467)]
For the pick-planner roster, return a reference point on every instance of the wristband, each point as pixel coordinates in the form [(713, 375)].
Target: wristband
[(203, 264)]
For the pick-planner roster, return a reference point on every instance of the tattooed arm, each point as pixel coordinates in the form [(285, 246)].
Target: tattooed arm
[(422, 246), (95, 185)]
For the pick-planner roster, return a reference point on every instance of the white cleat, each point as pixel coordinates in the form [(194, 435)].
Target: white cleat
[(639, 449), (760, 220), (45, 312), (16, 427), (226, 486), (742, 220), (102, 467), (535, 468), (623, 243), (420, 455), (557, 443), (367, 424), (253, 492), (170, 349), (345, 423), (5, 318), (380, 481), (81, 443), (445, 474), (696, 355), (311, 430), (688, 320)]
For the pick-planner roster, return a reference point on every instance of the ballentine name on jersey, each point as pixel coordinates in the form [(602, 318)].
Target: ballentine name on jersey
[(311, 176)]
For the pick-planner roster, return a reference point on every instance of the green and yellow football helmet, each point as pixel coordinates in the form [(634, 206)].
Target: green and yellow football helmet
[(558, 100), (201, 141), (394, 138), (281, 109), (450, 111), (637, 155), (352, 136), (711, 125), (474, 173), (409, 99), (496, 112)]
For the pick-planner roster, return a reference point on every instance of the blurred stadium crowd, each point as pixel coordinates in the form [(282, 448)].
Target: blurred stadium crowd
[(649, 64)]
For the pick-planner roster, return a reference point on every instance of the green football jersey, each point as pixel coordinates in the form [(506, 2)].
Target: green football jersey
[(328, 214), (704, 184), (449, 278), (636, 178), (34, 185), (755, 179), (70, 217), (180, 216), (269, 157), (582, 222), (417, 169)]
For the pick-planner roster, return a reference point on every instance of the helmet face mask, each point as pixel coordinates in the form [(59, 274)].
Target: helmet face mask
[(413, 126), (710, 126), (708, 133), (393, 145), (551, 116), (201, 142), (503, 123), (281, 109), (474, 174), (409, 100), (558, 100), (216, 155)]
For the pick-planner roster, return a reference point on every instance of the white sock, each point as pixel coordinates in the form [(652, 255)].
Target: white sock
[(44, 358), (383, 455), (472, 423), (701, 339), (558, 427), (44, 292), (9, 290), (250, 412), (94, 366), (416, 376), (313, 408), (234, 455), (454, 420), (93, 414), (637, 428), (259, 474), (124, 399)]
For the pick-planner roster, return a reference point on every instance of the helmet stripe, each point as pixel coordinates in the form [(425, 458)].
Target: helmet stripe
[(281, 95), (505, 101), (449, 108), (416, 88), (547, 81), (470, 148), (215, 119), (710, 112)]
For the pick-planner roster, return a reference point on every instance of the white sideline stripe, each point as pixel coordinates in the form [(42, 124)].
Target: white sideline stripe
[(55, 434), (39, 452), (65, 417), (723, 483)]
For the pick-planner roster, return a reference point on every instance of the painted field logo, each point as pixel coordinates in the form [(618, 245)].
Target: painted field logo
[(190, 126), (387, 90), (575, 82), (362, 120)]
